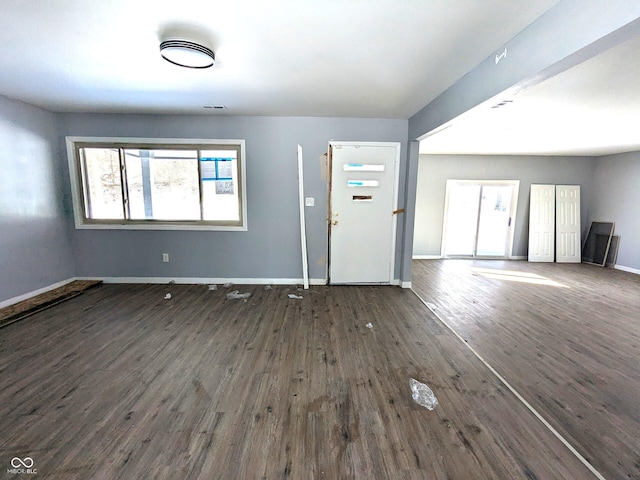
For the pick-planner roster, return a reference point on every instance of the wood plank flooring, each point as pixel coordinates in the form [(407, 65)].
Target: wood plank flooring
[(120, 383), (569, 343)]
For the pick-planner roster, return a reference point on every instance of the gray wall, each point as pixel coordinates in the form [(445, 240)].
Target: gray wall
[(434, 170), (34, 223), (271, 246), (616, 198)]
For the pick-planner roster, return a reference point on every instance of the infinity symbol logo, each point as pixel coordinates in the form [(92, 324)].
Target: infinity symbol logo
[(26, 462)]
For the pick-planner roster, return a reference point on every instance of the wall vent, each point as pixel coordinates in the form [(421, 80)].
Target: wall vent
[(502, 103)]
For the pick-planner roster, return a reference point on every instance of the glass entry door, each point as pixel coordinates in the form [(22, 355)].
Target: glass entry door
[(478, 218)]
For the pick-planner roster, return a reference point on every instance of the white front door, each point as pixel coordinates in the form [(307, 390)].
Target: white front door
[(362, 220), (542, 223), (568, 244)]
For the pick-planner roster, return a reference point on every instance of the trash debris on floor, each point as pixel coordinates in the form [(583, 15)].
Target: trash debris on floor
[(236, 295), (369, 325), (228, 284), (213, 287), (293, 295), (167, 296), (422, 394), (267, 287)]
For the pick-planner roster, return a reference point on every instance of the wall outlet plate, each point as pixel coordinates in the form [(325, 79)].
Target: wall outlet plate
[(309, 201)]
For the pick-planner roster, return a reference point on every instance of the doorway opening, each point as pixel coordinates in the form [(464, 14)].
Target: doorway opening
[(479, 216)]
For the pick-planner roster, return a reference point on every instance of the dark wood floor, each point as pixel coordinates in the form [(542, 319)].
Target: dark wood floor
[(569, 344), (120, 383)]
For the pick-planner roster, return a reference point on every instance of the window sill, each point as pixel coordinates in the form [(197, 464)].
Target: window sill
[(161, 226)]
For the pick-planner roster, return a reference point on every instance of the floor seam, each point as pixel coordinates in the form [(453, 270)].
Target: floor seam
[(564, 441)]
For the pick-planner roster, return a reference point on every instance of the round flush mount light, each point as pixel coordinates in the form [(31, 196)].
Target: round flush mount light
[(187, 54)]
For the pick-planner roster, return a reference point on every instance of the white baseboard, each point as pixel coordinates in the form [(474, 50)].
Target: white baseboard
[(208, 280), (440, 257), (181, 280), (627, 269), (28, 295)]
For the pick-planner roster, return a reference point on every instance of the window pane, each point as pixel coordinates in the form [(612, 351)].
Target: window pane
[(220, 195), (134, 184), (102, 183), (462, 219), (146, 185), (493, 230), (163, 184)]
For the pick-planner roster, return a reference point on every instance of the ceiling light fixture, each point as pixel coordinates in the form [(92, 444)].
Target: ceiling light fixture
[(187, 54)]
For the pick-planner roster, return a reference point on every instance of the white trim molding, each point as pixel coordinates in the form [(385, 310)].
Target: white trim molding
[(208, 280), (627, 269), (427, 257)]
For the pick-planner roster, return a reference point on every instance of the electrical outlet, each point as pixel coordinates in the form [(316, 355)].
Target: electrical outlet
[(309, 201), (165, 257)]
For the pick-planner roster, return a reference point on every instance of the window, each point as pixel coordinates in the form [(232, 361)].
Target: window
[(158, 184)]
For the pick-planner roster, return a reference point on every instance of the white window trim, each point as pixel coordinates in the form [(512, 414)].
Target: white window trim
[(76, 187)]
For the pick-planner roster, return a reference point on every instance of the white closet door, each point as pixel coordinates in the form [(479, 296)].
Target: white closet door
[(542, 223), (568, 244)]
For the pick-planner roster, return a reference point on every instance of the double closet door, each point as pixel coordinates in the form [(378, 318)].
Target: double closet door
[(554, 224)]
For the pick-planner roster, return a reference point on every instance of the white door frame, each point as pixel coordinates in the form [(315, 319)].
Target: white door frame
[(396, 181), (512, 214)]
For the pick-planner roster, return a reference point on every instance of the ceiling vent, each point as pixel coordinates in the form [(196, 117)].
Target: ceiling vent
[(502, 103)]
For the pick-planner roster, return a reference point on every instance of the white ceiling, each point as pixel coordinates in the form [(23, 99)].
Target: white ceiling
[(592, 109), (351, 58)]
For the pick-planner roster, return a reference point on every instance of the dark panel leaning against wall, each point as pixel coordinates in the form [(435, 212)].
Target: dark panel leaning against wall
[(270, 249), (616, 198), (35, 249)]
